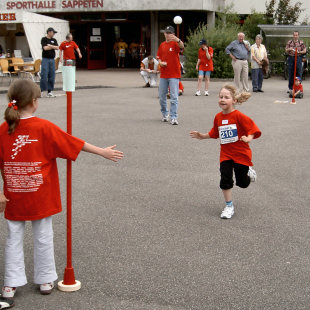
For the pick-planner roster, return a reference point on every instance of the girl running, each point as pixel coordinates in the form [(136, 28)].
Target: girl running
[(235, 131)]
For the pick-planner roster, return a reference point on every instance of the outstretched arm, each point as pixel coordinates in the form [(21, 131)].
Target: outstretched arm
[(108, 152), (198, 135)]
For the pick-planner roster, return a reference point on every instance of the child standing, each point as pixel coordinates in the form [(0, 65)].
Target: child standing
[(204, 66), (235, 131), (298, 90), (29, 147)]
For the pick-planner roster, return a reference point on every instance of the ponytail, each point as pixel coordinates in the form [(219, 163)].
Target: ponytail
[(12, 118), (239, 97)]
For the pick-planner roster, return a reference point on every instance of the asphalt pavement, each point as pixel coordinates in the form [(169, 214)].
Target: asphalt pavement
[(146, 231)]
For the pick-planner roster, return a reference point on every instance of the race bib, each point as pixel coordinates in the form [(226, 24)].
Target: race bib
[(228, 134)]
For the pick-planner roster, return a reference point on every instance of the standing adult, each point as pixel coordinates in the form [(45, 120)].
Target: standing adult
[(122, 47), (67, 48), (239, 51), (149, 70), (168, 56), (290, 48), (258, 53), (204, 66), (49, 46)]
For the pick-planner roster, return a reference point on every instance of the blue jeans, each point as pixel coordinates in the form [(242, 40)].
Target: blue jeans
[(47, 74), (290, 67), (257, 78), (174, 94)]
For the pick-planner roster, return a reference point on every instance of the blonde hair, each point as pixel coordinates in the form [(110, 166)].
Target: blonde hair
[(22, 93), (240, 97)]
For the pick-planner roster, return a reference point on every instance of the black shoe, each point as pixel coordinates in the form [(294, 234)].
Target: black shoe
[(260, 91), (147, 85), (255, 90)]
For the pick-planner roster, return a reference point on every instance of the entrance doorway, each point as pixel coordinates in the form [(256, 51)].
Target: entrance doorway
[(130, 32)]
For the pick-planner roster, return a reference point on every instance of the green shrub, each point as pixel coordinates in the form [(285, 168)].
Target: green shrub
[(218, 38)]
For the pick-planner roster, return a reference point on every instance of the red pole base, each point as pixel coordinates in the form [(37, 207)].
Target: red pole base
[(69, 278)]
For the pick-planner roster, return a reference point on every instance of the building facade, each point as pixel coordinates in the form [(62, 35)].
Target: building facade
[(97, 24)]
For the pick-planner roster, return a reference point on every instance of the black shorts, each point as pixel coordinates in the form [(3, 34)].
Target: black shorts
[(241, 174)]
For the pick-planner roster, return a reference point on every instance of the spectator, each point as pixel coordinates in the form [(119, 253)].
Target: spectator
[(67, 48), (134, 52), (239, 51), (122, 47), (149, 70), (49, 46), (290, 48), (170, 73), (204, 66), (258, 53)]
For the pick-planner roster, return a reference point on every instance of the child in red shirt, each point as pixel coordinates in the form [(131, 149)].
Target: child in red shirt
[(235, 131), (29, 147), (204, 66), (298, 90)]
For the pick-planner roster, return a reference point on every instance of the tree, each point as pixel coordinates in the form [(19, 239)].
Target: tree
[(250, 27), (285, 13)]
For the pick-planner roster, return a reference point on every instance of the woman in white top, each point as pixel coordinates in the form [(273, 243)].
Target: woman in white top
[(258, 53)]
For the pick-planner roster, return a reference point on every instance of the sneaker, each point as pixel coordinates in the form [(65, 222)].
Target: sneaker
[(206, 93), (50, 95), (46, 288), (252, 174), (165, 119), (147, 85), (6, 303), (42, 95), (174, 121), (228, 212), (198, 93), (8, 292)]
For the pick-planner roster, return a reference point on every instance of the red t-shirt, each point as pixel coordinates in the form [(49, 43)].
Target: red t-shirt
[(205, 63), (68, 49), (169, 52), (229, 128), (298, 87), (28, 161)]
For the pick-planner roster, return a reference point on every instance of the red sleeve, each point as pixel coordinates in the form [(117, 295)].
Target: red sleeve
[(61, 144), (177, 48), (61, 47), (75, 45), (211, 52), (214, 132), (249, 126), (159, 52)]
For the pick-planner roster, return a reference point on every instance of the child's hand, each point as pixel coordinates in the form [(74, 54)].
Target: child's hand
[(246, 139), (196, 135), (110, 153), (3, 201)]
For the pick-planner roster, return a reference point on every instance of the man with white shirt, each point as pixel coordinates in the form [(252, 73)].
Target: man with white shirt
[(149, 70)]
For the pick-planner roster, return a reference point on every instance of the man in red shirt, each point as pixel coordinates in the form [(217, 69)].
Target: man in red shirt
[(67, 48), (170, 74)]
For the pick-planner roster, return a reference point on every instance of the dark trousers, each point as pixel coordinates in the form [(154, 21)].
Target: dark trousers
[(47, 74), (241, 173), (291, 66), (257, 78)]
